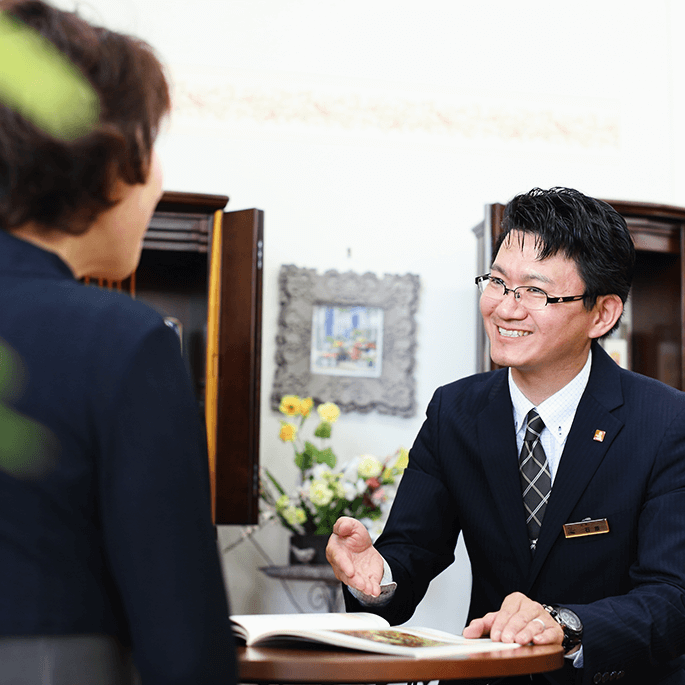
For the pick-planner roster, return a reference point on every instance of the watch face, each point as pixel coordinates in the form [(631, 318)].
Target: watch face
[(569, 619)]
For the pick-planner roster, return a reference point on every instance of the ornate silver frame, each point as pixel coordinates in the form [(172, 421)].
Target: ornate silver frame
[(299, 291)]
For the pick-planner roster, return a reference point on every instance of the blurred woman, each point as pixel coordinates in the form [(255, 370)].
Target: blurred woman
[(107, 551)]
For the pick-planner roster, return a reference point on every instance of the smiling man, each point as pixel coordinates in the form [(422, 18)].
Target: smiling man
[(564, 472)]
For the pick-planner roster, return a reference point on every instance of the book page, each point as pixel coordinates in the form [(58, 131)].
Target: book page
[(395, 636), (359, 631), (406, 642), (251, 627)]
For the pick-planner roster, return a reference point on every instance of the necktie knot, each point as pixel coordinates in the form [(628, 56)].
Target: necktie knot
[(534, 422)]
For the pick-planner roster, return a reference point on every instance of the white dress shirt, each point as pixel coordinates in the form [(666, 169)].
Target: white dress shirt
[(557, 413)]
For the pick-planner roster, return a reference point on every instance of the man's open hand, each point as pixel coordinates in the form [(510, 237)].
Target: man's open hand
[(353, 557)]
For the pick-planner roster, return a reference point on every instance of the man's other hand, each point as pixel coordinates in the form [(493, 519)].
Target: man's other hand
[(519, 620)]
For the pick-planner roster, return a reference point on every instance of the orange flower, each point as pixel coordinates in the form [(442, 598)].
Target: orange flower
[(290, 405), (288, 432), (306, 406)]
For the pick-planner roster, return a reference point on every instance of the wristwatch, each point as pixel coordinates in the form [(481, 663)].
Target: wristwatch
[(570, 624)]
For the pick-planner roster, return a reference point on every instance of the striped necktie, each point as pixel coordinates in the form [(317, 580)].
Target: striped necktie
[(536, 482)]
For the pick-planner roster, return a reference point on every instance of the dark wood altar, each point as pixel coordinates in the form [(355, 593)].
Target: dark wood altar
[(201, 268)]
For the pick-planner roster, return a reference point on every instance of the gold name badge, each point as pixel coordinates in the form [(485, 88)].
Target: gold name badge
[(586, 527)]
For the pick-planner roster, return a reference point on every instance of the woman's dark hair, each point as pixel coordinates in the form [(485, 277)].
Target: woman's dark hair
[(65, 184), (588, 231)]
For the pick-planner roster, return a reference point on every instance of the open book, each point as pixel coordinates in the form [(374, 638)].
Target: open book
[(361, 631)]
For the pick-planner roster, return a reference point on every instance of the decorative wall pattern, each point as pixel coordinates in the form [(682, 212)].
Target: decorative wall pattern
[(388, 113)]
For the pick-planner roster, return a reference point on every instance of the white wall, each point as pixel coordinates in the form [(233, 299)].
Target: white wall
[(381, 128)]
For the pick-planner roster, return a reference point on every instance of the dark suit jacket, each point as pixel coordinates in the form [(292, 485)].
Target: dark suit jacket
[(105, 522), (627, 585)]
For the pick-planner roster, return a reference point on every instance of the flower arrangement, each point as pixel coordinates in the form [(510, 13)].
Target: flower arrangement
[(362, 488)]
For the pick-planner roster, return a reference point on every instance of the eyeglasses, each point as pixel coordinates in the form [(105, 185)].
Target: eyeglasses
[(528, 296)]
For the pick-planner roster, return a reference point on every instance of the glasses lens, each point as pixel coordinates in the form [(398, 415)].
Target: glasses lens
[(532, 298), (491, 288)]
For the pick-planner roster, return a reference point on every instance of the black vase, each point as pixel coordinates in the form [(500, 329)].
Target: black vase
[(308, 549)]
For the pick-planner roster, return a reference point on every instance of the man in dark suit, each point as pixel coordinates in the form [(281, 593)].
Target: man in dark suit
[(587, 549)]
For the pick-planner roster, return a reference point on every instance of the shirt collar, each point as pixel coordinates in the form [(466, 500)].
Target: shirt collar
[(557, 411)]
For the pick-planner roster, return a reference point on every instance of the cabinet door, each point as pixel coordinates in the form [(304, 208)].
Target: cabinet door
[(201, 268), (234, 365)]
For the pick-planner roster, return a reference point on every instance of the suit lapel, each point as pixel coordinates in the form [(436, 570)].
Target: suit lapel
[(497, 442), (582, 454)]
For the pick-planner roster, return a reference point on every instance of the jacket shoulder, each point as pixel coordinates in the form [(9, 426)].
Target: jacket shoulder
[(471, 393)]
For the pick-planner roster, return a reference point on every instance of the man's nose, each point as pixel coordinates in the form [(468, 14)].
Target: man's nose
[(511, 304)]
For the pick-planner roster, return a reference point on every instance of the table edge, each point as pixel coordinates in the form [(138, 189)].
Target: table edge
[(315, 665)]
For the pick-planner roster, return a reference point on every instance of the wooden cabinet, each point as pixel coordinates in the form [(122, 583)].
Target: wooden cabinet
[(654, 321), (201, 268)]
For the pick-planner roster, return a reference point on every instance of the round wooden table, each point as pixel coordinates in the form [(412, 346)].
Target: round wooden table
[(315, 665)]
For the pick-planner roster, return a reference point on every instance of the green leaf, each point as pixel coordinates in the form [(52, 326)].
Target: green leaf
[(287, 525), (310, 456), (304, 460), (274, 482), (326, 457), (323, 430)]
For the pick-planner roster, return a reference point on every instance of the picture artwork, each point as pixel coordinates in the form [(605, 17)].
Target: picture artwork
[(347, 341)]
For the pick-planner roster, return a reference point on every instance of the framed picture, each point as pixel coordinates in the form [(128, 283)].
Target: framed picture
[(347, 338), (347, 341)]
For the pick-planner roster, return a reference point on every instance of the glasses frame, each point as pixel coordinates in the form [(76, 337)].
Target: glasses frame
[(517, 296)]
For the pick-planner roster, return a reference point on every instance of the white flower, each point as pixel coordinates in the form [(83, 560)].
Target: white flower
[(319, 493), (350, 490), (386, 506), (282, 502), (350, 469), (375, 528), (369, 467), (338, 487), (320, 471), (294, 515)]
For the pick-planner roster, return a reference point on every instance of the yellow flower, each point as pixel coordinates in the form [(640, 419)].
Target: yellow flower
[(290, 405), (369, 467), (306, 406), (388, 476), (402, 460), (328, 412), (288, 431)]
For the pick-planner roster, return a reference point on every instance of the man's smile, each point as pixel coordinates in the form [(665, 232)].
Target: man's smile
[(512, 334)]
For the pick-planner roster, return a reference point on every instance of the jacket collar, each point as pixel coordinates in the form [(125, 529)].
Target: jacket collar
[(20, 258), (585, 449), (497, 441)]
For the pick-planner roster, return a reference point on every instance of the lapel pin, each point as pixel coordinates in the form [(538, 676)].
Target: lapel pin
[(599, 435)]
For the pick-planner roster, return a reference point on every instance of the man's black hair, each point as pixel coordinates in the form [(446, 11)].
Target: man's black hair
[(588, 231)]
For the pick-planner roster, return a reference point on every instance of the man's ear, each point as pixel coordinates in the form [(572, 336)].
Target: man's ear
[(608, 309)]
